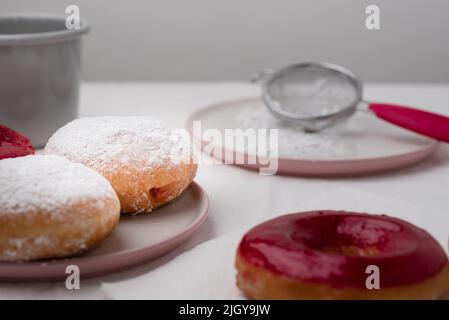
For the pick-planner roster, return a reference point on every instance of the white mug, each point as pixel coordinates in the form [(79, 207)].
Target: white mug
[(40, 63)]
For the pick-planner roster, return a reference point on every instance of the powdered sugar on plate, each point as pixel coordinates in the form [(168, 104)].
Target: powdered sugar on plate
[(329, 144), (108, 143), (49, 183)]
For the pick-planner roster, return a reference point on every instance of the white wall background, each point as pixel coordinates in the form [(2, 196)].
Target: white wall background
[(158, 40)]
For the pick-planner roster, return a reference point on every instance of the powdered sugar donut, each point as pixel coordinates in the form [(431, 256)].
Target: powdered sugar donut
[(147, 163), (51, 207)]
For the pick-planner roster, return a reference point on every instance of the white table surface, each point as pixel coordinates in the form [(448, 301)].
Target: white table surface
[(239, 197)]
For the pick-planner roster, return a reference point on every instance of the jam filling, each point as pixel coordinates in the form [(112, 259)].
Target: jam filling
[(13, 144)]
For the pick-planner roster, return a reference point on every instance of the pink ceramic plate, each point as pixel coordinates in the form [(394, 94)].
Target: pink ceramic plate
[(137, 239), (364, 144)]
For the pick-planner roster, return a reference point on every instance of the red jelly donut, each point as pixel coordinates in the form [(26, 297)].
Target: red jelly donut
[(13, 144), (331, 255)]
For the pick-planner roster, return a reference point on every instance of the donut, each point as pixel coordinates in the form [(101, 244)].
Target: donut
[(147, 163), (329, 255), (13, 144), (52, 208)]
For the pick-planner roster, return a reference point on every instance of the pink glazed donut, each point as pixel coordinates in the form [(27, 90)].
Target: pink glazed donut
[(325, 255)]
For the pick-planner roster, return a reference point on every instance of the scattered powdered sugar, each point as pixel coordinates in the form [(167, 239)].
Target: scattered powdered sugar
[(329, 144), (108, 143), (50, 183)]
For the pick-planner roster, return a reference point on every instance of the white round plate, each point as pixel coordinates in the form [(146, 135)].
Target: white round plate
[(363, 144), (135, 240)]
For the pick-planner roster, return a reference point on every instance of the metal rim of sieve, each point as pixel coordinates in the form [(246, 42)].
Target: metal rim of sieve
[(268, 77)]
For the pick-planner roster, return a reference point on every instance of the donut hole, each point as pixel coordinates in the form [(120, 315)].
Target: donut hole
[(349, 236), (343, 245), (368, 251)]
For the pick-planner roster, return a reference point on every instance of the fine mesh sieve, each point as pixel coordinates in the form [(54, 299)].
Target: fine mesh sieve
[(316, 95)]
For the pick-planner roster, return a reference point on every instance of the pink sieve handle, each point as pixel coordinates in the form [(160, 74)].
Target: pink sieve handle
[(429, 124)]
